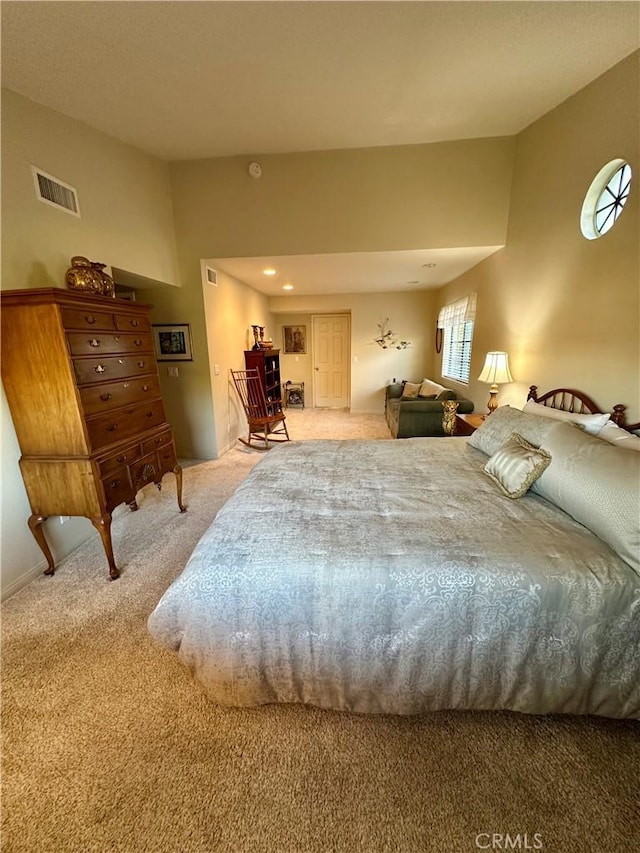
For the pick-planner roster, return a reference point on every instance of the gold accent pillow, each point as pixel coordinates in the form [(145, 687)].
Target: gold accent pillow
[(516, 465)]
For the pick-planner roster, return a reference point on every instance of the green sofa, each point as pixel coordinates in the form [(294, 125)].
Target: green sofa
[(418, 416)]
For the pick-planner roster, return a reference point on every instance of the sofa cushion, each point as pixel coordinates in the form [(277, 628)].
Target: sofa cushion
[(410, 390), (430, 389), (446, 394)]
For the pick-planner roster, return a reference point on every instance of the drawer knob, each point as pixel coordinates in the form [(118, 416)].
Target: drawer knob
[(121, 458), (99, 368), (135, 323), (112, 427), (145, 387), (149, 414), (125, 384), (138, 342), (114, 483), (141, 364), (157, 440), (90, 319), (105, 397), (94, 343), (116, 338)]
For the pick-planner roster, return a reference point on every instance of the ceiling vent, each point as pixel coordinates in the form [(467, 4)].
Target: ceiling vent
[(55, 192), (212, 276)]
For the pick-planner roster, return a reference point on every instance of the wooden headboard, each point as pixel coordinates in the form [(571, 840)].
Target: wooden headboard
[(568, 400)]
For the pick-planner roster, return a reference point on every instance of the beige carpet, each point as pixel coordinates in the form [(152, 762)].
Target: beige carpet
[(109, 746)]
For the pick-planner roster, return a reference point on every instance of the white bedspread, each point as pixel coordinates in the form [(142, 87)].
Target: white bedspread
[(393, 577)]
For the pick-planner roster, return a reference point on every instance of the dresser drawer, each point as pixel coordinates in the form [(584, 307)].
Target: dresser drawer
[(167, 458), (117, 488), (129, 323), (74, 318), (144, 471), (124, 423), (123, 457), (155, 443), (97, 369), (81, 343), (112, 395)]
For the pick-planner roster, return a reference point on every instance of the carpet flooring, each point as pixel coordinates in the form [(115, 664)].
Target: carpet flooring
[(108, 745)]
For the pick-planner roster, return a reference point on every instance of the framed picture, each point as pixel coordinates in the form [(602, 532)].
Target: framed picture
[(173, 342), (294, 339)]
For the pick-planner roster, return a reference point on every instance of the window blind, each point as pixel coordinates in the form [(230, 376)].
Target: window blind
[(455, 313), (457, 319)]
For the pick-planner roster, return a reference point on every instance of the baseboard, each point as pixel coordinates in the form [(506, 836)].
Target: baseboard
[(23, 580)]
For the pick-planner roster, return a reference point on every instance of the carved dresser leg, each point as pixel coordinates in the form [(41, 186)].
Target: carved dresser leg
[(178, 472), (35, 526), (103, 525)]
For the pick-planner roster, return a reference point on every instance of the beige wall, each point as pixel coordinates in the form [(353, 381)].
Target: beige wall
[(127, 221), (374, 199), (360, 200), (566, 308), (411, 315)]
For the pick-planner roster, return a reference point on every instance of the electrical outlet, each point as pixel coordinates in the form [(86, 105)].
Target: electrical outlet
[(64, 518), (173, 372), (216, 369)]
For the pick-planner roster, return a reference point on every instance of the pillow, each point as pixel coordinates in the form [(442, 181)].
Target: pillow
[(590, 423), (499, 426), (429, 388), (516, 465), (620, 437), (597, 484), (446, 395), (410, 389)]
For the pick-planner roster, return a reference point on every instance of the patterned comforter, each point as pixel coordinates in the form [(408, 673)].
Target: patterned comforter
[(394, 577)]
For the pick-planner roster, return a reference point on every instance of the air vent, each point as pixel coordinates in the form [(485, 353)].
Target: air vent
[(212, 276), (55, 192)]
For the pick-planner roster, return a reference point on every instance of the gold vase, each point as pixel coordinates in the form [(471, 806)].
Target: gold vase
[(108, 285), (82, 276)]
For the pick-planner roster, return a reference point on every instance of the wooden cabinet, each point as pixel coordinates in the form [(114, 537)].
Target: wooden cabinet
[(81, 380), (267, 363)]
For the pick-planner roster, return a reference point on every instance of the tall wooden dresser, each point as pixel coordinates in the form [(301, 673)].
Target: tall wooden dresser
[(81, 381), (267, 363)]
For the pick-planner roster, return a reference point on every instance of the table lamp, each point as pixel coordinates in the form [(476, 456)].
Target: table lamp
[(495, 372)]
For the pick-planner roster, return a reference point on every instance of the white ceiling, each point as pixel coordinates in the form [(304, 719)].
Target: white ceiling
[(185, 80), (354, 272)]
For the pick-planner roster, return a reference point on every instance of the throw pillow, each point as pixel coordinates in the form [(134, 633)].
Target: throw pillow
[(410, 389), (620, 437), (516, 466), (596, 483), (429, 388), (590, 423), (446, 395), (497, 428)]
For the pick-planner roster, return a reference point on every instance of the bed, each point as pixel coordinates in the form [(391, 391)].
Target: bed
[(396, 577)]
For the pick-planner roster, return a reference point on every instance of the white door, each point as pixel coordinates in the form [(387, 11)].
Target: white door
[(331, 378)]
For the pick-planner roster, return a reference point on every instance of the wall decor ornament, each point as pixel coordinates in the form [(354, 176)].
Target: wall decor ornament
[(387, 339), (89, 277)]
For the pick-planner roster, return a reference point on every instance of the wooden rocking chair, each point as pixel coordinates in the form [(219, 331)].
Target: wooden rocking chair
[(265, 417)]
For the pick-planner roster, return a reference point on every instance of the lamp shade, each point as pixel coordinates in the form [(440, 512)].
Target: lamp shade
[(496, 369)]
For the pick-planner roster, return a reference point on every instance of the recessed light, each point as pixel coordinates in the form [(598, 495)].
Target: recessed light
[(269, 271), (287, 287), (429, 266)]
